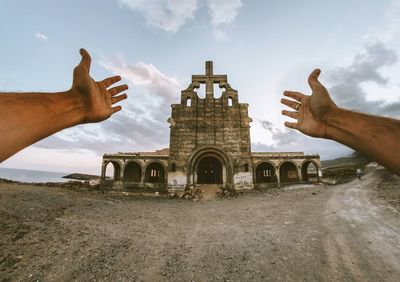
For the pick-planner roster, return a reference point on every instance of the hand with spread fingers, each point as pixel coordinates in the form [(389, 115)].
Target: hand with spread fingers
[(318, 116), (98, 101), (311, 112), (26, 118)]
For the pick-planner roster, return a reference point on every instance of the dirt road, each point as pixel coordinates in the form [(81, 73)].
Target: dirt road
[(320, 233)]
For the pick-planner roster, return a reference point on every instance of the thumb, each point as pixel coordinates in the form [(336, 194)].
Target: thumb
[(313, 79), (86, 59)]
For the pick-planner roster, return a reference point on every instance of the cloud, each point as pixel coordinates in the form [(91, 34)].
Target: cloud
[(140, 126), (168, 15), (287, 140), (41, 36), (220, 35), (171, 15), (223, 11), (347, 82), (267, 125)]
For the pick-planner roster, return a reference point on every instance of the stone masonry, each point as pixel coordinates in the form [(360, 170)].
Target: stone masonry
[(209, 144)]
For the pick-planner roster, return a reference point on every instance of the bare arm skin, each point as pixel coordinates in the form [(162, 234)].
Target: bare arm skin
[(318, 116), (26, 118)]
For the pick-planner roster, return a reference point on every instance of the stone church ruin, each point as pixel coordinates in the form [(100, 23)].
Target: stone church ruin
[(209, 145)]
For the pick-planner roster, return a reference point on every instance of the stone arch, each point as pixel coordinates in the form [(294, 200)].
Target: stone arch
[(155, 172), (308, 174), (116, 167), (132, 172), (215, 152), (265, 173), (288, 172)]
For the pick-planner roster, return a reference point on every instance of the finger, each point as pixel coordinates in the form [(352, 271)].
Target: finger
[(116, 99), (289, 103), (116, 109), (111, 80), (313, 79), (291, 114), (295, 95), (86, 59), (291, 124), (117, 89)]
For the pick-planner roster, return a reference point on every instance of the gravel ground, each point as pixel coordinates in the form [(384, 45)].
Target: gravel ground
[(348, 232)]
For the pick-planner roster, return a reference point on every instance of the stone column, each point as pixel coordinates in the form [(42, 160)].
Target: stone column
[(278, 176), (299, 174), (103, 170)]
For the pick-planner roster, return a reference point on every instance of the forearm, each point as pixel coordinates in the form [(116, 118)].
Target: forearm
[(376, 137), (26, 118)]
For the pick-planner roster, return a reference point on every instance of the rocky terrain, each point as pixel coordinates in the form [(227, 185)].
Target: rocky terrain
[(346, 232)]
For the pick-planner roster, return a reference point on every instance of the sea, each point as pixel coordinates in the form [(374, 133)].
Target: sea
[(32, 176)]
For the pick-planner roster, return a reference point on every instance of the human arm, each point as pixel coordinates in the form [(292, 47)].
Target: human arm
[(318, 116), (26, 118)]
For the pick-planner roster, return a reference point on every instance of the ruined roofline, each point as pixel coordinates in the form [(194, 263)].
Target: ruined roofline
[(283, 154), (279, 153), (157, 153)]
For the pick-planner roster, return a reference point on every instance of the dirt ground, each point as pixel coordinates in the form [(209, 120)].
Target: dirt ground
[(348, 232)]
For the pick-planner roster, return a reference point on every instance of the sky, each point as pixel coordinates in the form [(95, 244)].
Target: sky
[(265, 47)]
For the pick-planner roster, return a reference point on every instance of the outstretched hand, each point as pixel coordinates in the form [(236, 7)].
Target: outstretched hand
[(311, 112), (96, 96)]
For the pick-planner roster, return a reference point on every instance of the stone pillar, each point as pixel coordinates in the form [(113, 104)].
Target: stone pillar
[(103, 170), (142, 179), (299, 174), (278, 176), (121, 176)]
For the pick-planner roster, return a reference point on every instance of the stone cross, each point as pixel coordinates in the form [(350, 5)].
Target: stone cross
[(209, 79)]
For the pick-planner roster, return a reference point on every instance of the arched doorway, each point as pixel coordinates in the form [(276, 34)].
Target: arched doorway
[(265, 173), (209, 171), (309, 171), (288, 173), (113, 169), (132, 172), (154, 173)]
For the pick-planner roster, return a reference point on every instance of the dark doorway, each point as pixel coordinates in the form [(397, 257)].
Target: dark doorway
[(209, 171), (265, 173), (288, 173), (155, 173), (133, 172)]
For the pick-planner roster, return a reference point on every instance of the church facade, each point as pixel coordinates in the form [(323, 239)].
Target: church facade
[(209, 145)]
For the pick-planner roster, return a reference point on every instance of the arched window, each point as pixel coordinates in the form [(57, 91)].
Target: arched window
[(309, 171), (188, 102), (173, 167), (265, 173), (154, 173), (230, 102), (246, 167), (113, 169)]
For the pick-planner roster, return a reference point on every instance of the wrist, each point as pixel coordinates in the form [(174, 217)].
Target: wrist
[(332, 122), (71, 106)]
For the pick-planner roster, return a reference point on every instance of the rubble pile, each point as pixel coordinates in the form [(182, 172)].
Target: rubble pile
[(225, 193), (194, 193)]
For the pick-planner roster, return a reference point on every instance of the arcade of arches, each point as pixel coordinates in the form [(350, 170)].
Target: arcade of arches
[(133, 172)]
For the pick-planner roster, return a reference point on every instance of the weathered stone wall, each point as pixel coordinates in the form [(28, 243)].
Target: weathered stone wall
[(217, 128), (221, 123)]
